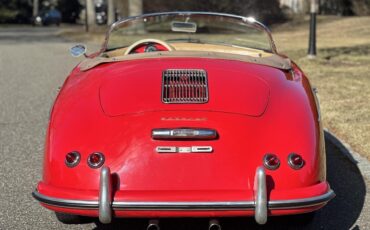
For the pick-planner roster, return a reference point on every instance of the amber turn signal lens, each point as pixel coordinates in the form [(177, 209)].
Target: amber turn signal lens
[(72, 159), (295, 161), (95, 160), (271, 161)]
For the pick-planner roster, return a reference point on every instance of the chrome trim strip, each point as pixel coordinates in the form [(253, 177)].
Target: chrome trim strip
[(65, 203), (260, 192), (105, 196), (201, 149), (166, 149), (187, 149), (302, 203), (186, 206), (184, 133)]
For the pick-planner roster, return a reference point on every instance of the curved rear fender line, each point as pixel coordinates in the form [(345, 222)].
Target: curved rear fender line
[(312, 94), (73, 73)]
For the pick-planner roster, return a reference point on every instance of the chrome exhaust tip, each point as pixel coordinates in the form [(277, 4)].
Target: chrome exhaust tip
[(214, 225), (153, 225)]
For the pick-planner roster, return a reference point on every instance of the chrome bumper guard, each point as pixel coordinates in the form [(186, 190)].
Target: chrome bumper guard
[(105, 196), (260, 194), (105, 205)]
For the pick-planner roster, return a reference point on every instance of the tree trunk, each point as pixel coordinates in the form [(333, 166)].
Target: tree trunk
[(90, 15), (111, 12), (135, 7), (122, 8), (35, 10), (296, 6)]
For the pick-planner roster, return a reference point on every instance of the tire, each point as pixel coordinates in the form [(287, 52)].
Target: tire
[(68, 218)]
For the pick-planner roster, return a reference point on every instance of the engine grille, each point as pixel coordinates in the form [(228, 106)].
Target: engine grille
[(184, 86)]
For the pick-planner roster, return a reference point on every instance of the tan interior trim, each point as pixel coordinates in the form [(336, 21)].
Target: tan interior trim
[(185, 46), (148, 40), (272, 60)]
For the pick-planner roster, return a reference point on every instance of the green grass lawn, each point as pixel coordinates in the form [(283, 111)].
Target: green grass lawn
[(341, 72)]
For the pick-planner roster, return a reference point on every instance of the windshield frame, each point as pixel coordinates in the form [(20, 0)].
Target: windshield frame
[(247, 20)]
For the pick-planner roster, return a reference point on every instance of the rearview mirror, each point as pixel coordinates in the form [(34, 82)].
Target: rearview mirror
[(189, 27), (78, 50)]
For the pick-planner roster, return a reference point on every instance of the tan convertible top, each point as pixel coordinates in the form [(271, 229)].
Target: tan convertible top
[(272, 60)]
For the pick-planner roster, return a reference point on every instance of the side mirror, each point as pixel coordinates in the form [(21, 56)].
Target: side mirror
[(78, 50)]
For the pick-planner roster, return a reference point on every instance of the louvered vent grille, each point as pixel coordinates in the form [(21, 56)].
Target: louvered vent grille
[(184, 86)]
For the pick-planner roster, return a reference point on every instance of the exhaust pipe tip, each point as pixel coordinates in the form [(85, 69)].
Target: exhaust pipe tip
[(153, 225), (214, 225)]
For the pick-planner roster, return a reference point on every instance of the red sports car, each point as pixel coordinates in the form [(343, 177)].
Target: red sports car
[(185, 114)]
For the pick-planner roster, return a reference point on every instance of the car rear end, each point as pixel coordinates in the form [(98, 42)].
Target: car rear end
[(184, 137)]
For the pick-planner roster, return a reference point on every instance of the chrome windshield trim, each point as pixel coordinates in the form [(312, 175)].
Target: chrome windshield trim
[(186, 206), (246, 20)]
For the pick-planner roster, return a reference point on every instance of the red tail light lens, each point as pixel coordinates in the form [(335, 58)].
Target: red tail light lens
[(72, 159), (95, 160), (295, 161), (271, 161)]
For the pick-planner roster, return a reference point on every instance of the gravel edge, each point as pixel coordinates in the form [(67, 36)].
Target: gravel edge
[(362, 163)]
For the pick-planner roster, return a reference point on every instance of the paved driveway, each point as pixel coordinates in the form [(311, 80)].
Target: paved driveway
[(33, 63)]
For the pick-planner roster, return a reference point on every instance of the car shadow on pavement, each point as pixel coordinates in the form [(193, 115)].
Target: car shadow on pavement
[(340, 213)]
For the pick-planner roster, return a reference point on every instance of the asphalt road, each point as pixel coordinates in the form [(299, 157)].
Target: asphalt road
[(33, 64)]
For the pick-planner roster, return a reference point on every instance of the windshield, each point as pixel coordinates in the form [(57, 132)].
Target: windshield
[(191, 27)]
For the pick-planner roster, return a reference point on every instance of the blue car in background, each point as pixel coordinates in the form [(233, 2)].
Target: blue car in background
[(48, 17)]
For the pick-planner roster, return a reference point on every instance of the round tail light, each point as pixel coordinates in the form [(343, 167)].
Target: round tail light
[(95, 160), (72, 159), (295, 161), (271, 161)]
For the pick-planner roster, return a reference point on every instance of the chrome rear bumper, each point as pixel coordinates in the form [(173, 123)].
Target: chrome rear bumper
[(261, 205)]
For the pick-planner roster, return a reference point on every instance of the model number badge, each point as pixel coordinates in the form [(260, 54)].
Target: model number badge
[(190, 149)]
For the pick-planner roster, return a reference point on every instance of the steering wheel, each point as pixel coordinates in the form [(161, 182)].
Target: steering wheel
[(148, 45)]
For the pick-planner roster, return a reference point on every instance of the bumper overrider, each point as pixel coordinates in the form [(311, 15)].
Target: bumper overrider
[(105, 205)]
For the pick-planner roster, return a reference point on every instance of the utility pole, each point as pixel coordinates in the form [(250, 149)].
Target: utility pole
[(35, 10), (312, 39)]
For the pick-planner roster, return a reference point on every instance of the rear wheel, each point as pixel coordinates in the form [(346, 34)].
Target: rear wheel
[(69, 218)]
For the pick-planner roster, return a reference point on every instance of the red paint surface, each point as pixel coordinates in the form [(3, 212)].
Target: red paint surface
[(255, 109)]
